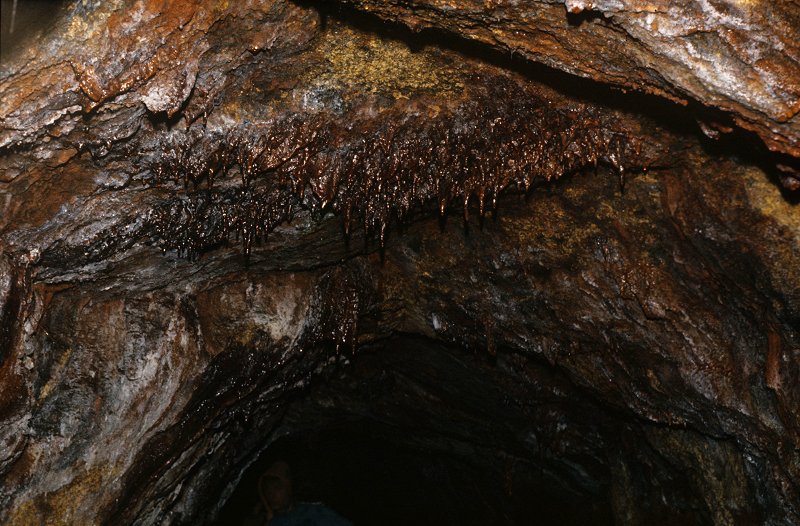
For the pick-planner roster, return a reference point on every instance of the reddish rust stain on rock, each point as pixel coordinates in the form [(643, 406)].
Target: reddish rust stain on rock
[(772, 372)]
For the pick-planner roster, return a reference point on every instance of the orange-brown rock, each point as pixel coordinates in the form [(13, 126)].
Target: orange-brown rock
[(449, 285)]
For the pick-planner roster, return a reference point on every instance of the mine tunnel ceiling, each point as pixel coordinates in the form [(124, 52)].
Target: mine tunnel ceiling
[(495, 261)]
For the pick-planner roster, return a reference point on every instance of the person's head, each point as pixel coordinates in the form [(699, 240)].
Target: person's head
[(275, 486)]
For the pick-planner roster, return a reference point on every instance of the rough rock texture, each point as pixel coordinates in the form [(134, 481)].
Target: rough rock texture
[(224, 224), (741, 56)]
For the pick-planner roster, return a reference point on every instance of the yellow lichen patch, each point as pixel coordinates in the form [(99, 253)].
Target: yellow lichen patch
[(745, 3), (380, 65), (65, 506), (84, 28), (555, 230), (767, 199), (77, 26), (233, 110)]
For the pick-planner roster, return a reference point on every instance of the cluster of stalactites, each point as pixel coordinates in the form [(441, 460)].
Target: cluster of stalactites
[(376, 170)]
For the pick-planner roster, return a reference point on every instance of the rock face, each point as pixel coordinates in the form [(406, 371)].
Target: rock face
[(230, 230), (739, 56)]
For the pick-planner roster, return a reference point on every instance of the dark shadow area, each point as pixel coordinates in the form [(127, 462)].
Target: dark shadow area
[(360, 470), (415, 432), (586, 16), (24, 20)]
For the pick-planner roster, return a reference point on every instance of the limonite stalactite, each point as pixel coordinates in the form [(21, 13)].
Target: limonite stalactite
[(239, 183)]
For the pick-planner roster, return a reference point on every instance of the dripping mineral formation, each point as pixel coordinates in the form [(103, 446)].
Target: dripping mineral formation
[(485, 263), (377, 169)]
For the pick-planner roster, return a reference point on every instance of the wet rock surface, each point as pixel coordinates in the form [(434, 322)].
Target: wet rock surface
[(738, 56), (234, 229)]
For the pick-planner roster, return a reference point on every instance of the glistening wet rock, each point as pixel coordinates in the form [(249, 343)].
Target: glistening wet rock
[(223, 225), (739, 57)]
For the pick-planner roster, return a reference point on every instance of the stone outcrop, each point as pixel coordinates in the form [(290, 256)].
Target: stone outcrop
[(741, 57)]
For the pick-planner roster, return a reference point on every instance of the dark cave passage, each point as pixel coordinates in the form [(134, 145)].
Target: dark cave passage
[(368, 477), (415, 432)]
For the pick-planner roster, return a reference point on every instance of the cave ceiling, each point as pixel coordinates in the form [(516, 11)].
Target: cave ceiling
[(541, 237)]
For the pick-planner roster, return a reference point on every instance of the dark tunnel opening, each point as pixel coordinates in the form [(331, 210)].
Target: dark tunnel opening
[(411, 431), (356, 469)]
